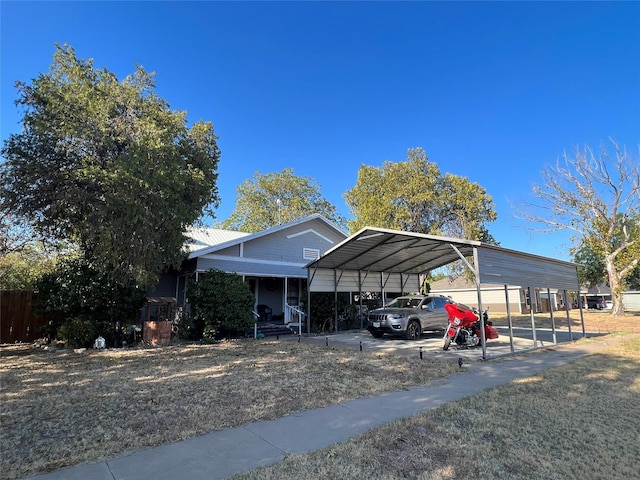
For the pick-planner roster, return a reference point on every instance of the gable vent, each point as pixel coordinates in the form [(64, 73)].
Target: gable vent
[(310, 253)]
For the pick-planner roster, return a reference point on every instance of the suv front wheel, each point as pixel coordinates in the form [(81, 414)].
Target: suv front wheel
[(413, 330)]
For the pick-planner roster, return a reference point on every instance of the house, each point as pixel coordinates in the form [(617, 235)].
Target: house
[(272, 262), (630, 298)]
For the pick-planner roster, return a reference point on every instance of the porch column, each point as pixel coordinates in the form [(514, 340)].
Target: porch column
[(286, 300)]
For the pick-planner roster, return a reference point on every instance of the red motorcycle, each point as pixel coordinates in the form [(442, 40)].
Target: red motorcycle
[(464, 327)]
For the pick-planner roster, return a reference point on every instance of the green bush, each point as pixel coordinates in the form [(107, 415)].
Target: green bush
[(78, 332), (323, 312), (221, 305), (78, 296)]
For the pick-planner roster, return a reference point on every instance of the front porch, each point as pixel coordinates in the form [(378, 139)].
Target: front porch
[(278, 301)]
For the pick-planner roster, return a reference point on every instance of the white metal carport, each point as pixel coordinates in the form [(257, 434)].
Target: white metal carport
[(375, 259)]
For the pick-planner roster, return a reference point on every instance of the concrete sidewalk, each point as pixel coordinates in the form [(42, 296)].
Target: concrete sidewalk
[(221, 454)]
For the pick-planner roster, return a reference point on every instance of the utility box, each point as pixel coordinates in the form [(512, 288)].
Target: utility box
[(159, 314), (157, 332)]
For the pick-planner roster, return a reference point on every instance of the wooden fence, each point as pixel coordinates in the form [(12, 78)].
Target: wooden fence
[(18, 323)]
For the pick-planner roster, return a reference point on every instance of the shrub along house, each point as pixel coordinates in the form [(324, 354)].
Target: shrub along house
[(272, 262)]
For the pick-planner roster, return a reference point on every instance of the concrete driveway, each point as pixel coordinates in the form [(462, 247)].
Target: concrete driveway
[(430, 344)]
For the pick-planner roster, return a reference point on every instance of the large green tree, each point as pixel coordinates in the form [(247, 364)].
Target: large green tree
[(19, 270), (597, 197), (108, 165), (270, 199), (593, 271), (413, 195), (85, 301)]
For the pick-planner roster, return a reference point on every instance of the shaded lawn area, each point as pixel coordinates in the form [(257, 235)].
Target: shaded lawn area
[(64, 408), (580, 420)]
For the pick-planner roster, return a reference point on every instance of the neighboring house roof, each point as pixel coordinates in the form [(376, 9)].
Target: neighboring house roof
[(207, 237), (245, 237), (601, 289), (459, 282)]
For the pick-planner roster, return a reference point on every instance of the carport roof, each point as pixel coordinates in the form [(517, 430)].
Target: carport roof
[(392, 251)]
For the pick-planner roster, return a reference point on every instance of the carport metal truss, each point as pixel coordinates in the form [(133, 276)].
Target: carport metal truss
[(391, 251)]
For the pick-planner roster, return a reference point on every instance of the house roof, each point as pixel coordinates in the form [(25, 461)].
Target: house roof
[(241, 237), (207, 237)]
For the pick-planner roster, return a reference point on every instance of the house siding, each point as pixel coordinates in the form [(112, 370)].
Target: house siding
[(323, 281), (233, 251), (251, 267), (631, 300), (288, 245), (279, 254), (494, 298)]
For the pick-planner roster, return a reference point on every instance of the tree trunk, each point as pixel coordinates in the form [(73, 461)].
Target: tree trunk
[(616, 289)]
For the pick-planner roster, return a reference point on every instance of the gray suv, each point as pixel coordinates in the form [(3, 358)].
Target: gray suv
[(409, 316)]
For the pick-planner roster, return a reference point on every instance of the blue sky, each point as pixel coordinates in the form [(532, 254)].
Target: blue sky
[(492, 91)]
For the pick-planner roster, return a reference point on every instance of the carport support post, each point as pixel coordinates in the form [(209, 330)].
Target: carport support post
[(476, 274), (533, 320), (308, 302), (360, 297), (566, 307), (553, 322), (506, 295), (335, 298), (584, 333)]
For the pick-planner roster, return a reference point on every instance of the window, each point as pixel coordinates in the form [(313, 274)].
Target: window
[(310, 253), (438, 303)]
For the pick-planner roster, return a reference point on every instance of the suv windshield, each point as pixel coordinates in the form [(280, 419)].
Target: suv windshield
[(404, 302)]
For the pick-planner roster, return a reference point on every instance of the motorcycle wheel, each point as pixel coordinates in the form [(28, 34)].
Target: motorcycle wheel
[(447, 342)]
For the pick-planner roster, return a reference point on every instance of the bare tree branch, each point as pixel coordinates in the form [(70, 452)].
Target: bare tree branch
[(598, 198)]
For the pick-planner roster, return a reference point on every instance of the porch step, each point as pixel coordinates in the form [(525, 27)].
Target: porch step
[(274, 329)]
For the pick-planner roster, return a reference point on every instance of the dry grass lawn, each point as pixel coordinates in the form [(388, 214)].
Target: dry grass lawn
[(575, 421), (599, 321), (64, 408), (61, 408)]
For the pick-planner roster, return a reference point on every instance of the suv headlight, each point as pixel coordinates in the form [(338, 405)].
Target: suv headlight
[(394, 316)]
